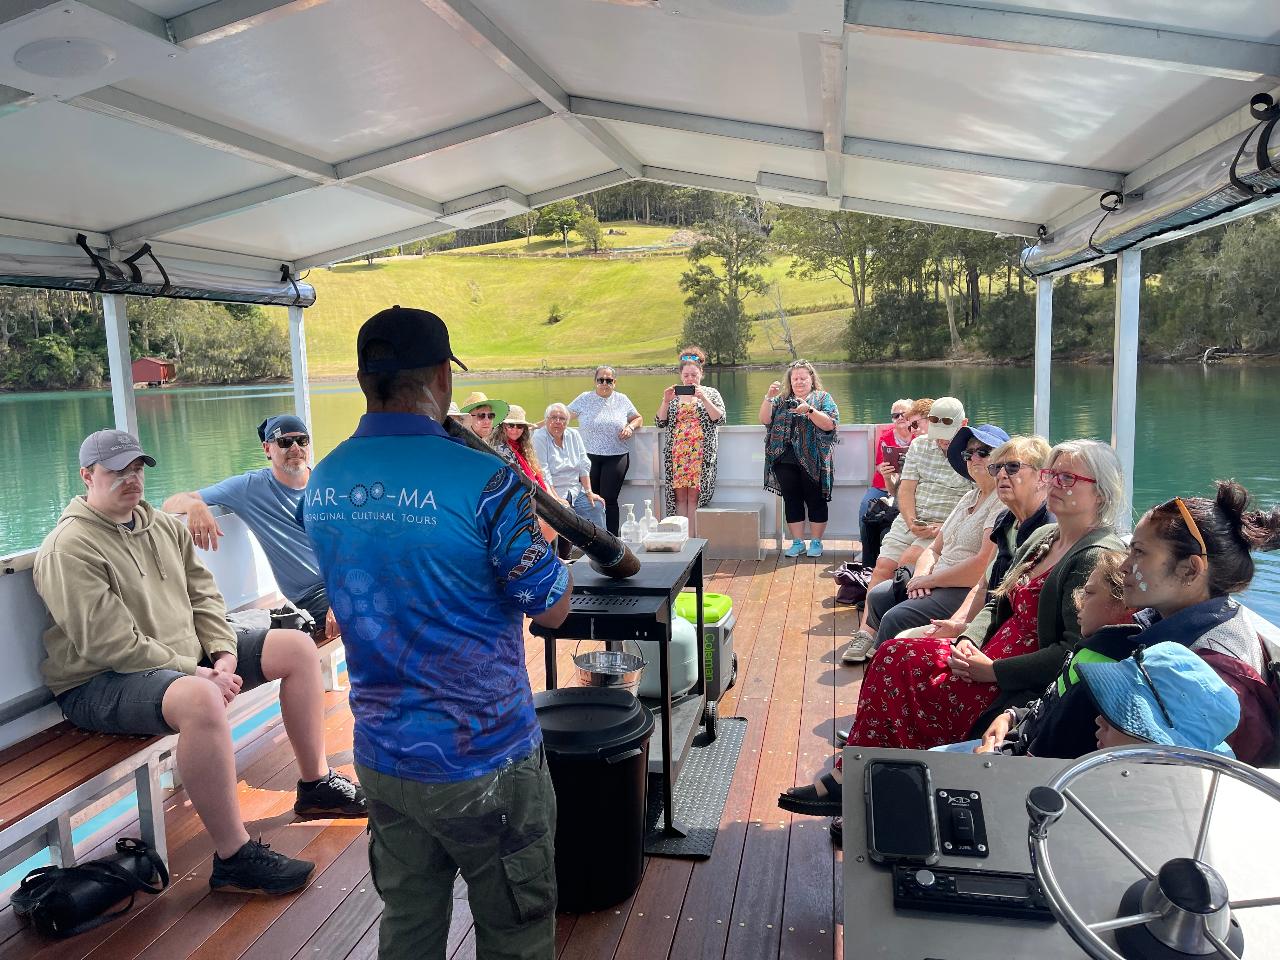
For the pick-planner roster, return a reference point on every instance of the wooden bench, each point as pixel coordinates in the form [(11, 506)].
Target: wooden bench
[(49, 769)]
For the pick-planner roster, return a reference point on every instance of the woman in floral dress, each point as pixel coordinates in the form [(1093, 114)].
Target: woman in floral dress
[(689, 443)]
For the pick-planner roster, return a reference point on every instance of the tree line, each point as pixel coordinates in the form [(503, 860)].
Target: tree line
[(921, 291), (56, 339)]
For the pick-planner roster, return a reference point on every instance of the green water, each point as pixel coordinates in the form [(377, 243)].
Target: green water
[(1194, 424)]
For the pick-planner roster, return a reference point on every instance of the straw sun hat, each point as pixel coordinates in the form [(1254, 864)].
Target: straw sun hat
[(516, 416)]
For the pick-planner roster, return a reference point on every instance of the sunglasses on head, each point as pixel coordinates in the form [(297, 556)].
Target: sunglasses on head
[(1011, 467), (980, 454), (945, 421), (488, 415), (690, 358), (286, 442), (1063, 479), (1192, 527), (605, 380)]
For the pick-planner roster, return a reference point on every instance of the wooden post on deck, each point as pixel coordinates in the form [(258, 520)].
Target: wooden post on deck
[(298, 354), (1124, 370), (118, 360), (1044, 353)]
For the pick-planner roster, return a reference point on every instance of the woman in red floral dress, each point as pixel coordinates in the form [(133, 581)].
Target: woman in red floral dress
[(920, 693)]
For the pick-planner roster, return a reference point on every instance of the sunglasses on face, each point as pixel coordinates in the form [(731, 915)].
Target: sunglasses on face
[(916, 425), (286, 442), (897, 416), (945, 421), (608, 380), (1011, 467), (1064, 480), (980, 454), (484, 416)]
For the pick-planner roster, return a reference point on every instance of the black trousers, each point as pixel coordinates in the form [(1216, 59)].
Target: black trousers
[(607, 474), (800, 494)]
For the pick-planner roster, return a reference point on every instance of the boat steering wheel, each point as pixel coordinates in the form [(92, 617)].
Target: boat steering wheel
[(1180, 910)]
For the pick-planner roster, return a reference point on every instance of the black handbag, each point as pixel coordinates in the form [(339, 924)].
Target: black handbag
[(65, 901), (882, 511), (852, 578)]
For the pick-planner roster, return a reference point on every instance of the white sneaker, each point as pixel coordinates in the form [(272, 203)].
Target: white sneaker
[(860, 647)]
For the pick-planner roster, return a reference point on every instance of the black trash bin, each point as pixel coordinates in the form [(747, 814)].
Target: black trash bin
[(597, 743)]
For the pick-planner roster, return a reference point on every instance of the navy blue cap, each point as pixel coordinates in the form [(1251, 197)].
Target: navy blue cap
[(273, 428), (407, 339), (988, 433)]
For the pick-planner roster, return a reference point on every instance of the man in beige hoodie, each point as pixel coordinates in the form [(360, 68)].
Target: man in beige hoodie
[(140, 645)]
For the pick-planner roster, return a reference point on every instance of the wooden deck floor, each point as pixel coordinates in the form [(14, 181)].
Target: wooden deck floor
[(770, 890)]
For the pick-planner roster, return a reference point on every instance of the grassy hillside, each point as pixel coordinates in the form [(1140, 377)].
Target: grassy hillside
[(624, 311)]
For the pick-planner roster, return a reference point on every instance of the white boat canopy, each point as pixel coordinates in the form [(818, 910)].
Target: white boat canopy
[(245, 141)]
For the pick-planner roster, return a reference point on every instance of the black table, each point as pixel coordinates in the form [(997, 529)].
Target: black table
[(639, 608)]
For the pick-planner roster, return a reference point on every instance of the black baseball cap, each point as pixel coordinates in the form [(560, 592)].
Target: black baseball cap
[(415, 338)]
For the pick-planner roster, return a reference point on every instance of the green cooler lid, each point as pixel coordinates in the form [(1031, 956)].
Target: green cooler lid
[(715, 607)]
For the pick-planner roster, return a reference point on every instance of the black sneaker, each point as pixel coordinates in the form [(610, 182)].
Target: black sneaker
[(256, 868), (334, 796)]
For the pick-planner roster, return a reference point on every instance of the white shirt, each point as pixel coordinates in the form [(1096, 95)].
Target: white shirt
[(601, 419), (563, 464)]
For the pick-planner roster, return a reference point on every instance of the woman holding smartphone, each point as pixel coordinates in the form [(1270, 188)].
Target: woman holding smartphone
[(694, 414), (801, 419), (891, 447)]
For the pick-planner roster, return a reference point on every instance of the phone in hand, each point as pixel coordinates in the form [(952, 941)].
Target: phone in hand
[(685, 390), (894, 455), (902, 824)]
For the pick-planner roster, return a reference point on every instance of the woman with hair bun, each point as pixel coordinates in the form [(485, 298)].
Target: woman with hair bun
[(1186, 558), (694, 414)]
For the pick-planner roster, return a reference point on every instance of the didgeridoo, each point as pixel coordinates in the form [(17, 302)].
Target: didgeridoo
[(608, 554)]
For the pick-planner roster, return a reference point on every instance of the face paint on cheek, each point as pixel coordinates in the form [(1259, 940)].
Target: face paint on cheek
[(1138, 578), (118, 482)]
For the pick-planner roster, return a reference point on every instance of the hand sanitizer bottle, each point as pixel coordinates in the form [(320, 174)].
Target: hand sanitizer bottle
[(649, 521), (631, 527)]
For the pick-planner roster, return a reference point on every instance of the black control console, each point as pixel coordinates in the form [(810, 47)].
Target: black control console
[(978, 892)]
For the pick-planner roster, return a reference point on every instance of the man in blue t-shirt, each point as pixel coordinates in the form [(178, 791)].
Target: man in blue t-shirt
[(269, 501), (432, 558)]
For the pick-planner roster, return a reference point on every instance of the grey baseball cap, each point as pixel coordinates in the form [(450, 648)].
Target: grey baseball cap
[(114, 449)]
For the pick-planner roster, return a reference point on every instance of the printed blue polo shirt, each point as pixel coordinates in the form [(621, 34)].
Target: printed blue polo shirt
[(431, 558)]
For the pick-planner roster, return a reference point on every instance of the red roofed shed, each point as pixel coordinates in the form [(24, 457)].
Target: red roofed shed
[(152, 371)]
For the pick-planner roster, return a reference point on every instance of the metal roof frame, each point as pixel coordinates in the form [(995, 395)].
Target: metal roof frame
[(833, 157)]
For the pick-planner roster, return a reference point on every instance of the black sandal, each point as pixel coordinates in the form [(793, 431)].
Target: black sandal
[(806, 800)]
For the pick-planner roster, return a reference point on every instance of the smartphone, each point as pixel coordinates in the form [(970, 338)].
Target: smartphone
[(685, 390), (894, 456), (902, 824)]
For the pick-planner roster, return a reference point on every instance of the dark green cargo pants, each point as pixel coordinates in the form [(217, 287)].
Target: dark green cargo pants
[(498, 830)]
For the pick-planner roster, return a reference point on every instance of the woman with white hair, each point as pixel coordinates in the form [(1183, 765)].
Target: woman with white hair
[(564, 459), (920, 693)]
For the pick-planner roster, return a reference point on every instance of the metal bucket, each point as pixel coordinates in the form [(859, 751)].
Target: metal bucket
[(615, 669)]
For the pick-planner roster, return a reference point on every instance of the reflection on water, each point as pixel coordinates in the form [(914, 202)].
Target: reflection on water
[(1193, 425)]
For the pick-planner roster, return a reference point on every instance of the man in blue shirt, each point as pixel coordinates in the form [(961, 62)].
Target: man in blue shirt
[(432, 558), (268, 500)]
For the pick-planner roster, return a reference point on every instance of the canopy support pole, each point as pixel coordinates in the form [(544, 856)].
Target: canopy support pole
[(1044, 353), (119, 362), (1124, 369), (298, 357)]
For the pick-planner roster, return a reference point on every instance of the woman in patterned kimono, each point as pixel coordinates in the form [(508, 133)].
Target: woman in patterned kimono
[(690, 422)]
